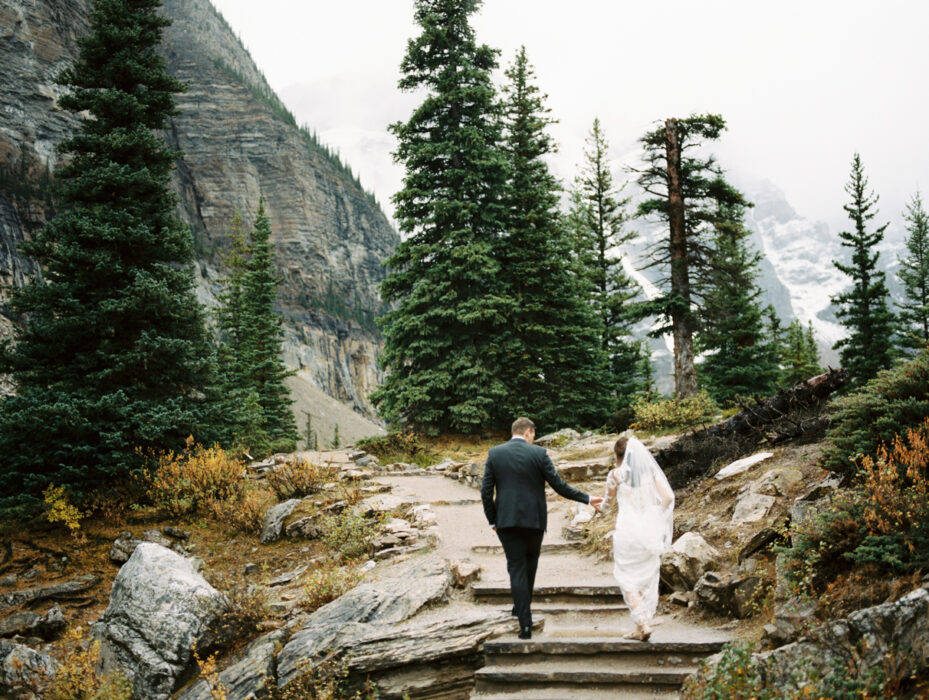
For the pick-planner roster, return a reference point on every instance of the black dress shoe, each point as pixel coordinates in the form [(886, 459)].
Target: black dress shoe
[(525, 633)]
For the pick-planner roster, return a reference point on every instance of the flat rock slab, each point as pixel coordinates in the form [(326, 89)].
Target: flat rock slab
[(400, 594), (741, 465), (57, 591), (751, 508), (248, 677)]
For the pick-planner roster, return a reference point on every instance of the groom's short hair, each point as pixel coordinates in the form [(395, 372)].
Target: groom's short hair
[(521, 425)]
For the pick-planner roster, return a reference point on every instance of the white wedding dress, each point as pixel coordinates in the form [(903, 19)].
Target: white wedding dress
[(644, 527)]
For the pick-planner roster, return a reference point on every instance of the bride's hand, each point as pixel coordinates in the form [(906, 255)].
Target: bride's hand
[(595, 501)]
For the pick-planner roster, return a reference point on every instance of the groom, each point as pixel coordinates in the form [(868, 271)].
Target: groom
[(518, 471)]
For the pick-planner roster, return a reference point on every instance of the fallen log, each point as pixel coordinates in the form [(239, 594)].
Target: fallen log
[(792, 414)]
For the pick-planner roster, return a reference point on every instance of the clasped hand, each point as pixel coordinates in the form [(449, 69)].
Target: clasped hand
[(596, 501)]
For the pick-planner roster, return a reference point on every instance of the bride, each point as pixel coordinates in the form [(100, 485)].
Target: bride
[(644, 526)]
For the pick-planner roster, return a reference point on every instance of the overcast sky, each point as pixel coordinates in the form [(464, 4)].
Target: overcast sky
[(803, 84)]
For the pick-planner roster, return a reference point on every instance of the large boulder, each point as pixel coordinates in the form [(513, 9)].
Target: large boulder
[(560, 438), (688, 559), (856, 646), (23, 671), (245, 679), (395, 598), (160, 610)]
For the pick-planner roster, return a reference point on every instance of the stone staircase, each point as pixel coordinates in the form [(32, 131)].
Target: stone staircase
[(580, 653)]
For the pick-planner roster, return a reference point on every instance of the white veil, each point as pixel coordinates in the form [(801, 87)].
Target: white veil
[(646, 500)]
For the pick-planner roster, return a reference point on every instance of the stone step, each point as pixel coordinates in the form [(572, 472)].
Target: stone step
[(547, 548), (614, 655), (548, 608), (542, 675), (563, 691), (574, 595)]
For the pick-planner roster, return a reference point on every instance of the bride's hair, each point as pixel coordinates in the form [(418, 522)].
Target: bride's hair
[(620, 449)]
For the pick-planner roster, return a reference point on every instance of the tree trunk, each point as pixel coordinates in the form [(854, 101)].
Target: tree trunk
[(685, 373)]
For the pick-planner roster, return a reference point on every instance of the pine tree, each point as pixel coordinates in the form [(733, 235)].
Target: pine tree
[(599, 230), (265, 370), (863, 309), (114, 356), (739, 359), (914, 274), (442, 351), (257, 402), (800, 357), (685, 193), (558, 370)]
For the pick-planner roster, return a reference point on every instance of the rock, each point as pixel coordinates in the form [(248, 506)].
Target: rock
[(559, 438), (56, 591), (761, 539), (353, 475), (777, 482), (250, 568), (176, 533), (585, 470), (424, 516), (304, 528), (726, 595), (287, 577), (23, 671), (248, 676), (688, 559), (392, 552), (394, 598), (801, 512), (751, 508), (25, 624), (160, 610), (857, 645), (356, 454), (398, 526), (791, 619), (381, 503), (826, 487), (9, 580), (464, 573), (582, 514), (274, 519), (430, 658), (572, 533), (367, 461), (123, 547), (741, 465), (681, 598)]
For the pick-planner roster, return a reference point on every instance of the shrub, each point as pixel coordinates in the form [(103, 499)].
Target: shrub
[(734, 676), (327, 679), (298, 478), (58, 508), (246, 512), (77, 679), (896, 399), (404, 446), (674, 413), (349, 533), (189, 482), (247, 609), (326, 583)]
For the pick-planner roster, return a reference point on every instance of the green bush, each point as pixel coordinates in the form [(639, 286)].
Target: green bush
[(349, 533), (896, 399), (673, 414), (404, 446)]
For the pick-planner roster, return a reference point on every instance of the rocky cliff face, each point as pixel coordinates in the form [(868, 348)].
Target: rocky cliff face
[(239, 145)]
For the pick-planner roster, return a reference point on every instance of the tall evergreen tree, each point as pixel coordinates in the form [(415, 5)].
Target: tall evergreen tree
[(685, 192), (863, 309), (740, 360), (558, 371), (600, 229), (114, 355), (914, 274), (449, 311), (800, 356)]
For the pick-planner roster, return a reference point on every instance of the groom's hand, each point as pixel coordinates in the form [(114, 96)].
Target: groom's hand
[(595, 501)]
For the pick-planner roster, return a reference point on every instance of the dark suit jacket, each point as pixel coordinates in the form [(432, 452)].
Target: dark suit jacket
[(519, 471)]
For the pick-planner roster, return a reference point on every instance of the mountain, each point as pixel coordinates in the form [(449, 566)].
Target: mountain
[(239, 144)]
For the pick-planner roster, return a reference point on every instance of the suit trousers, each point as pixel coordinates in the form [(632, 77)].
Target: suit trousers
[(522, 546)]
